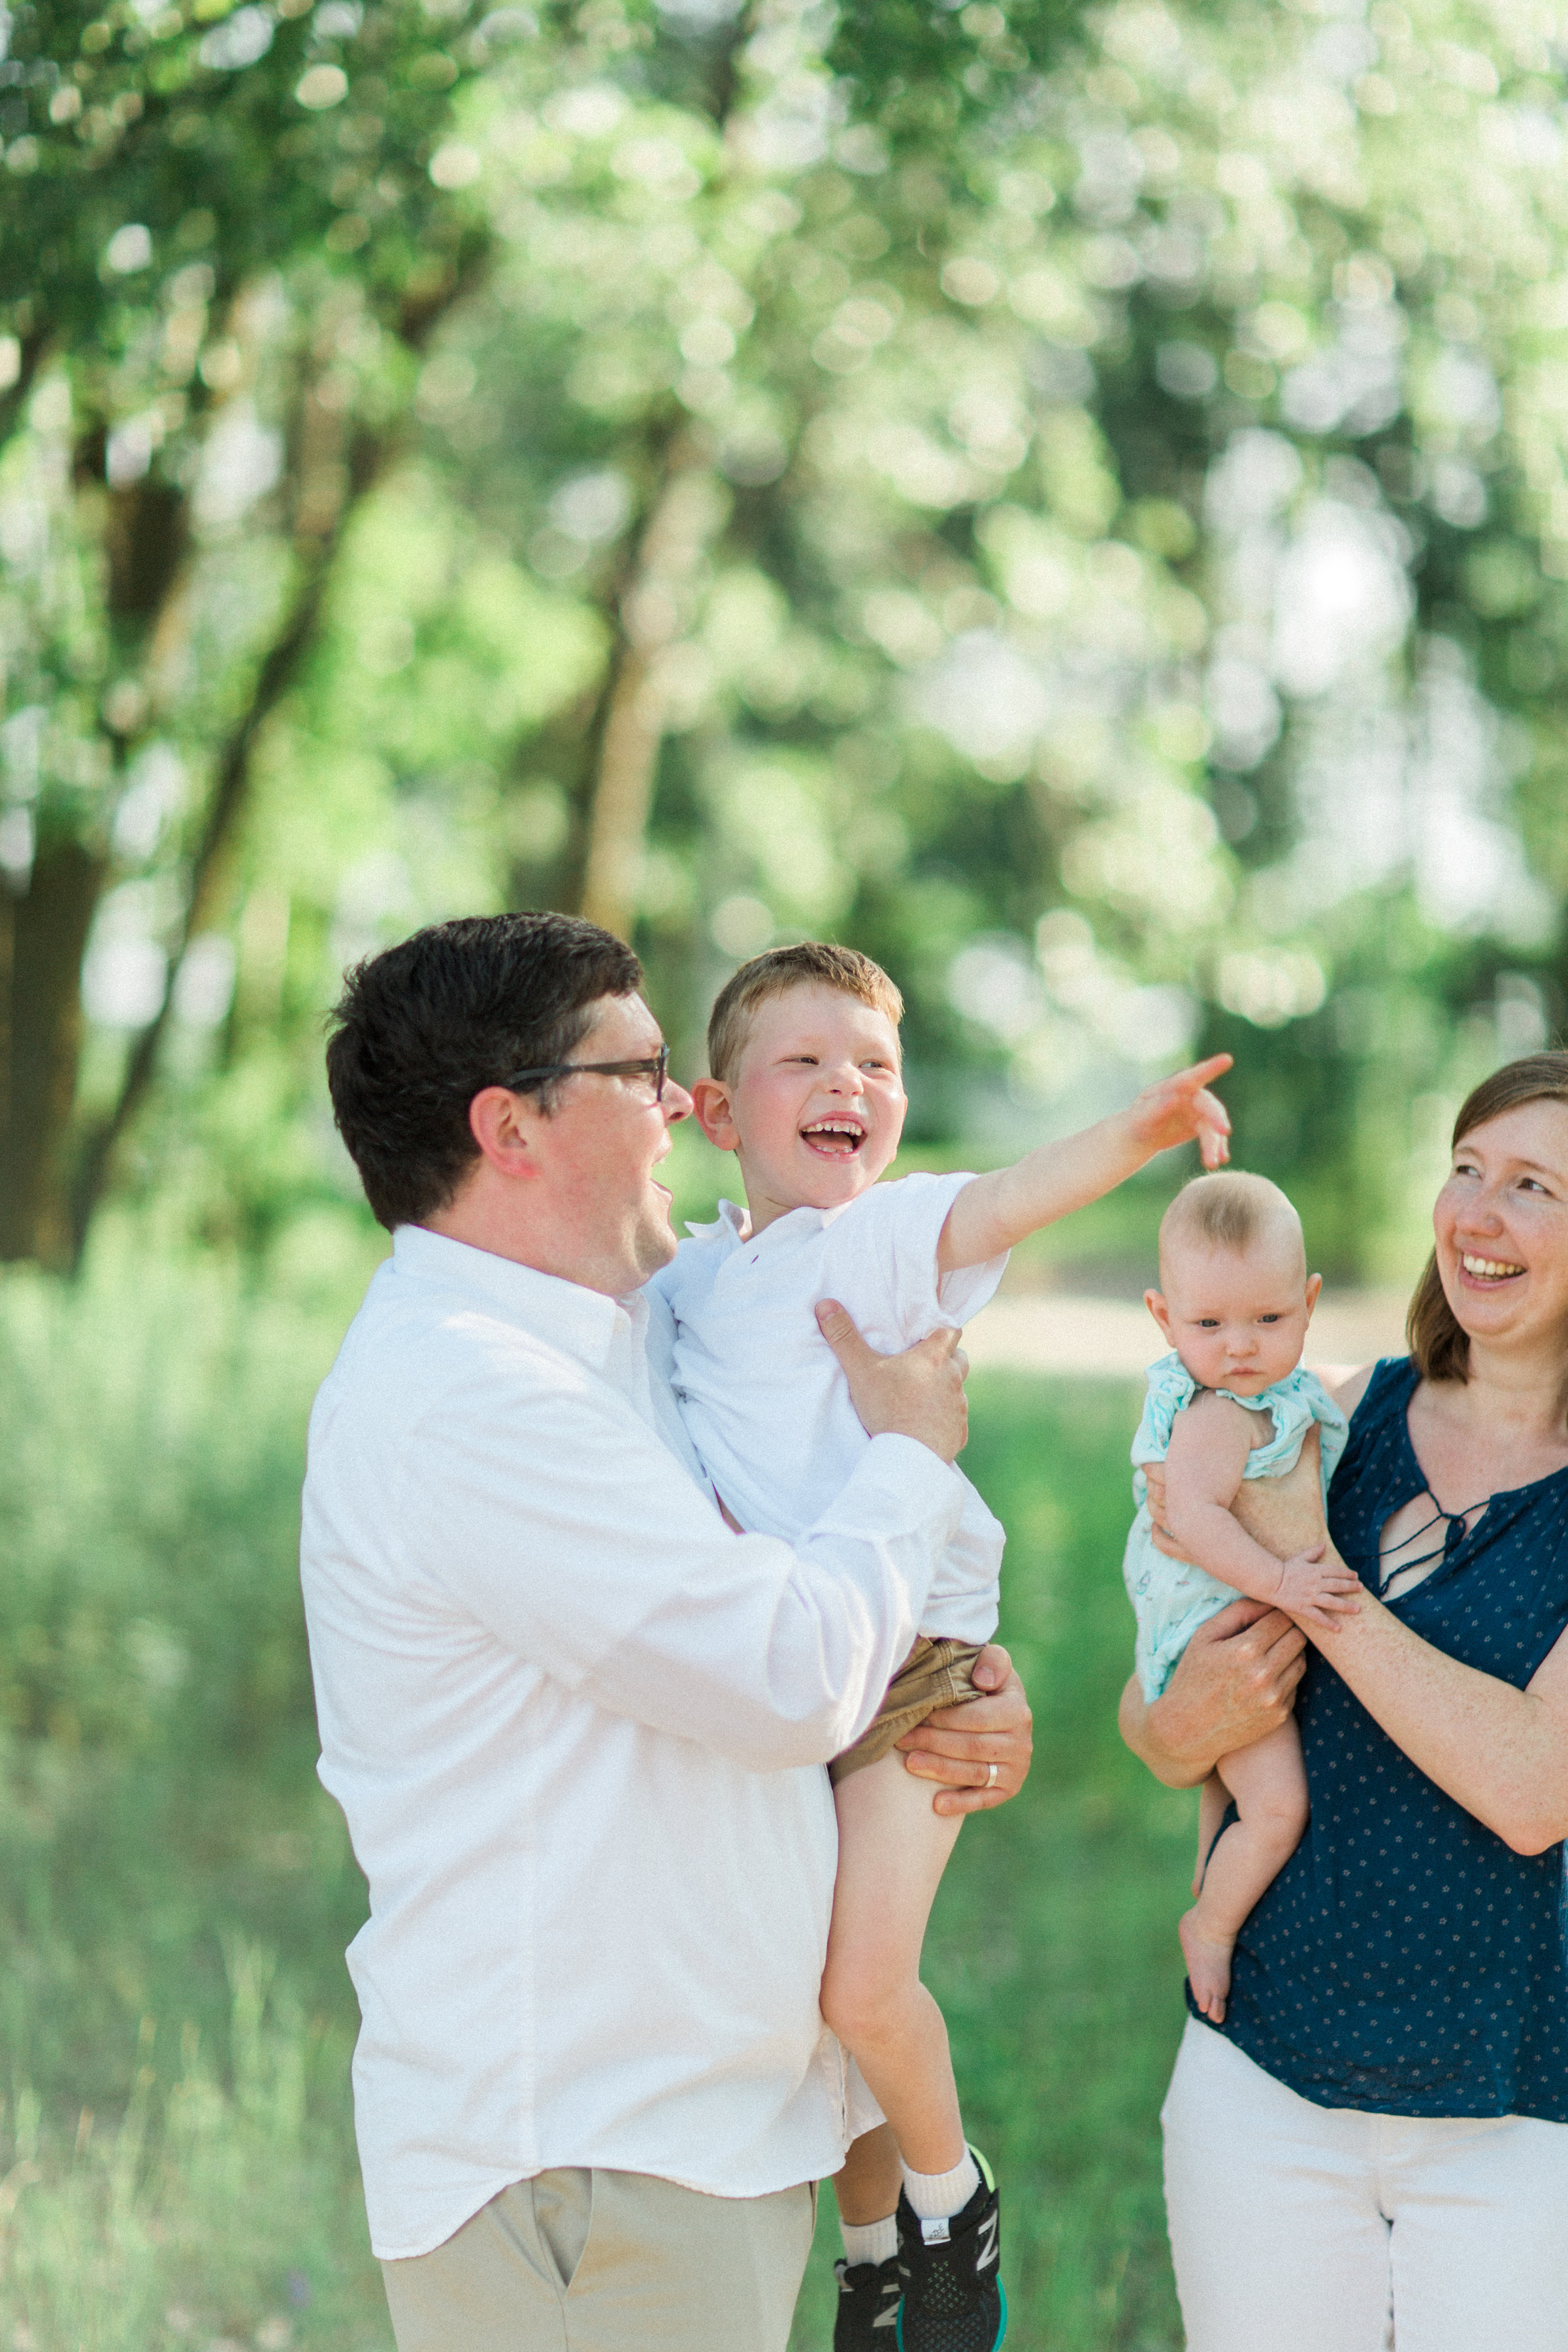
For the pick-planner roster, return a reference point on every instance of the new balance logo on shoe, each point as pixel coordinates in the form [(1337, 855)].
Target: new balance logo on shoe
[(868, 2297), (985, 2250)]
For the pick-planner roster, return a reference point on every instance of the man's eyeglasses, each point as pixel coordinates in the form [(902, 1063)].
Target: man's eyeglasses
[(656, 1069)]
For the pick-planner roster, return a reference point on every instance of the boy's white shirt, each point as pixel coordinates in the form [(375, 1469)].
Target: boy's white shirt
[(761, 1393)]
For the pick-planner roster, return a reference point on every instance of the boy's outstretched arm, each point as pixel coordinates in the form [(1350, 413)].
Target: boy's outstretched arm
[(996, 1211)]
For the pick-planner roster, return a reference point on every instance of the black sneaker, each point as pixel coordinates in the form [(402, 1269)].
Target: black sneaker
[(868, 2297), (953, 2300)]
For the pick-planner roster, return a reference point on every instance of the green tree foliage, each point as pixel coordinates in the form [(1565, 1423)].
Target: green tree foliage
[(230, 231), (1072, 501)]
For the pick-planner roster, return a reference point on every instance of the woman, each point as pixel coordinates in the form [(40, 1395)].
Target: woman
[(1376, 2144)]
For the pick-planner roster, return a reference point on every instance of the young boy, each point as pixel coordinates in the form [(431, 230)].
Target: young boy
[(805, 1089)]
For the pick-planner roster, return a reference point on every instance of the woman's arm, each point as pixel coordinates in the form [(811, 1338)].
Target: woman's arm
[(1501, 1752)]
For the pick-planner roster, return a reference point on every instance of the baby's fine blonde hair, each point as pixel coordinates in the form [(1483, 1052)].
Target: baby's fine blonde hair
[(1230, 1209)]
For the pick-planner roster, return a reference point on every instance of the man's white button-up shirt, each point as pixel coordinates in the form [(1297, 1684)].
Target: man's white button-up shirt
[(576, 1726)]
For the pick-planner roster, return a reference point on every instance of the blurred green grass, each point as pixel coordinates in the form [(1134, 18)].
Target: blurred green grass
[(176, 2160)]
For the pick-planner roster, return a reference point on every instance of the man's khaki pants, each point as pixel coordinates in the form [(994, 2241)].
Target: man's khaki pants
[(608, 2261)]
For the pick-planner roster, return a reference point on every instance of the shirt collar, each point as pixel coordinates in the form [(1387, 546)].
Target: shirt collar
[(732, 1218), (585, 1323)]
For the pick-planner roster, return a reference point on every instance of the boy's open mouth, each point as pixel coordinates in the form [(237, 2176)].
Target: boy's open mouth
[(1488, 1269), (836, 1139)]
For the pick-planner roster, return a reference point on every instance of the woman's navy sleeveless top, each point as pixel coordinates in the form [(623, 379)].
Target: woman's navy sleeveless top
[(1406, 1961)]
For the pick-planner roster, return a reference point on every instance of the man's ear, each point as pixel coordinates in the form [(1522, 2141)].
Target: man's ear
[(1314, 1290), (506, 1128), (1154, 1301), (715, 1114)]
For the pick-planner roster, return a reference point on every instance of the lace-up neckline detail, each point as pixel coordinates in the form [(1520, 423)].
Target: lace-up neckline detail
[(1406, 1961)]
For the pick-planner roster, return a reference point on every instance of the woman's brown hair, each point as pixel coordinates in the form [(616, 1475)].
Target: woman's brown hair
[(1438, 1348)]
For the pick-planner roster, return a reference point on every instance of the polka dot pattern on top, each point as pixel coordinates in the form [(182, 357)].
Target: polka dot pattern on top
[(1406, 1961)]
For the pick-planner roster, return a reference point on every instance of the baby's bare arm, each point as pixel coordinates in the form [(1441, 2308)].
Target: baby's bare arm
[(1209, 1446)]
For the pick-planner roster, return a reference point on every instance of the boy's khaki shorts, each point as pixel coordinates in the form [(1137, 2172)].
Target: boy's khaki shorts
[(935, 1674)]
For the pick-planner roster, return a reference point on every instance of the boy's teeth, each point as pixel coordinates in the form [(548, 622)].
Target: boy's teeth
[(1487, 1266)]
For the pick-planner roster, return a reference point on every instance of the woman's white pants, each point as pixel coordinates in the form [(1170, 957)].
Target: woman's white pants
[(1296, 2228)]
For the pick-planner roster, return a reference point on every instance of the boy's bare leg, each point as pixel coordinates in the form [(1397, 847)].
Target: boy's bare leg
[(892, 1851), (1269, 1782), (1213, 1799), (868, 2187)]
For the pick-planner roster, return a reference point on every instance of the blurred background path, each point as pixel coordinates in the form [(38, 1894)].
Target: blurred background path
[(1072, 1334)]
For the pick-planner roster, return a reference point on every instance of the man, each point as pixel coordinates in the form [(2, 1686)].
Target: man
[(574, 1721)]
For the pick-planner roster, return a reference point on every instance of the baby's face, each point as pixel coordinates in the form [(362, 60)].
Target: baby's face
[(817, 1108), (1237, 1318)]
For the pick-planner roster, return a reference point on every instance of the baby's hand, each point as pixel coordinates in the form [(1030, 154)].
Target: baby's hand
[(1315, 1595)]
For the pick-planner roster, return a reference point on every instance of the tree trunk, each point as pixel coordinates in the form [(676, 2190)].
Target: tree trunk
[(653, 612), (43, 931)]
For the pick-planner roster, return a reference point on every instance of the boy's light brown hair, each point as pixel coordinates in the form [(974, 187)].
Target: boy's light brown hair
[(1228, 1209), (813, 963)]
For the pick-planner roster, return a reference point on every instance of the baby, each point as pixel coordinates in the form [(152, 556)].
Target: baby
[(805, 1089), (1231, 1402)]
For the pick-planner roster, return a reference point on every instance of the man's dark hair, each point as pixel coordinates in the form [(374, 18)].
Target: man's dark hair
[(422, 1028)]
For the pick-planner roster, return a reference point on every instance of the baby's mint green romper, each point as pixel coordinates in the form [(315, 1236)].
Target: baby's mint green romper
[(1171, 1597)]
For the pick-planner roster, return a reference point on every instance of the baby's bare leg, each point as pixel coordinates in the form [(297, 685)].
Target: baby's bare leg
[(1269, 1782), (1213, 1799), (892, 1851)]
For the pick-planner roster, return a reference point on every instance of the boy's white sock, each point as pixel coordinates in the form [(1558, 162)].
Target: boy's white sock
[(869, 2241), (938, 2196)]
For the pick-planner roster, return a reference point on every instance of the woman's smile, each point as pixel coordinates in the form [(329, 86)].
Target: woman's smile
[(1489, 1270)]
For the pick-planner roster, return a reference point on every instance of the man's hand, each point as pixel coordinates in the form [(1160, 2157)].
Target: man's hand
[(918, 1394), (960, 1744), (1234, 1682)]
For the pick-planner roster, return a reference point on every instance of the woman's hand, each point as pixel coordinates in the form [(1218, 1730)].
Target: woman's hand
[(1235, 1683), (960, 1744)]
